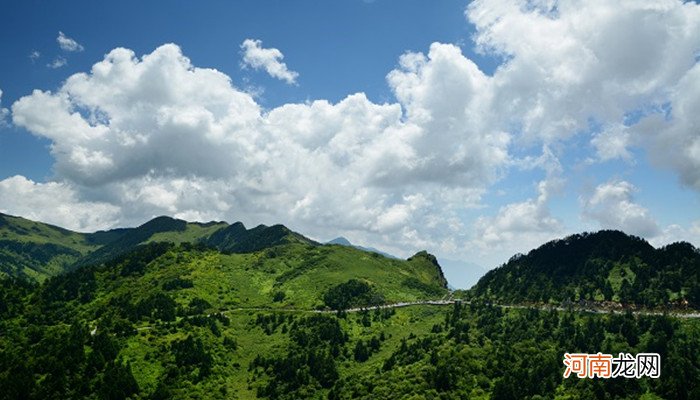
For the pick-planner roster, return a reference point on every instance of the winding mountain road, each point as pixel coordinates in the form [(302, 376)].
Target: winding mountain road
[(446, 301)]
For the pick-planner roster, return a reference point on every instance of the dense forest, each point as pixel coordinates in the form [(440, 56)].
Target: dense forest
[(607, 266), (452, 352), (169, 314)]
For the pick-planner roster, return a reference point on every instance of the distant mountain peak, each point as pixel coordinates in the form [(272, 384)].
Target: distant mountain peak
[(340, 240), (237, 239)]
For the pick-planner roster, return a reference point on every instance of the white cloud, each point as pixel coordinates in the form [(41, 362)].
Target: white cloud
[(34, 55), (158, 135), (612, 143), (519, 227), (676, 233), (572, 61), (68, 44), (58, 62), (269, 59), (612, 205), (448, 98), (675, 141), (54, 202)]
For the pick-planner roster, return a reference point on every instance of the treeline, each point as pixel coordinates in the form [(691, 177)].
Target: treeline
[(17, 258)]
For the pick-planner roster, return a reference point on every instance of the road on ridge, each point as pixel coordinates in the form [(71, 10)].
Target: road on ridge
[(444, 302), (450, 301)]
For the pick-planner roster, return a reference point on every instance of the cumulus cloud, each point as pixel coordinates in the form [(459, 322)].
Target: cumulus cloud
[(68, 44), (54, 202), (448, 98), (612, 206), (520, 226), (612, 143), (676, 233), (269, 59), (157, 135), (572, 61)]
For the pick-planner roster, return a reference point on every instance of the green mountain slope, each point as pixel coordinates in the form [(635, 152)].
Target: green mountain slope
[(290, 276), (159, 229), (189, 321), (602, 266), (345, 242), (186, 287), (35, 251), (237, 239)]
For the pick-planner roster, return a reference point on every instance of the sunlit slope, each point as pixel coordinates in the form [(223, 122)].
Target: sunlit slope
[(291, 276), (35, 250), (188, 321)]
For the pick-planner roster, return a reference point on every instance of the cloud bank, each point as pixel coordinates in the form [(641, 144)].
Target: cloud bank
[(136, 137)]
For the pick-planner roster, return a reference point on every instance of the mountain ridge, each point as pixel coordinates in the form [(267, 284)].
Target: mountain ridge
[(342, 241), (607, 265), (65, 250), (186, 320)]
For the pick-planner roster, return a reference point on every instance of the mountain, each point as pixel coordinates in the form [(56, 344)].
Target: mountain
[(278, 261), (601, 266), (160, 229), (183, 319), (35, 251), (345, 242), (237, 239), (341, 241)]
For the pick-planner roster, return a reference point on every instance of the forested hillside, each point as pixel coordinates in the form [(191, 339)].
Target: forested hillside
[(164, 316), (197, 311), (604, 266)]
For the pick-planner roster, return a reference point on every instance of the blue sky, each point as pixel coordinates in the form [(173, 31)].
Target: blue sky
[(474, 130), (358, 40)]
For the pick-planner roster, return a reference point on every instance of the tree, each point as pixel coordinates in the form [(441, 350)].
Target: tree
[(361, 354), (607, 291), (118, 382), (190, 352)]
